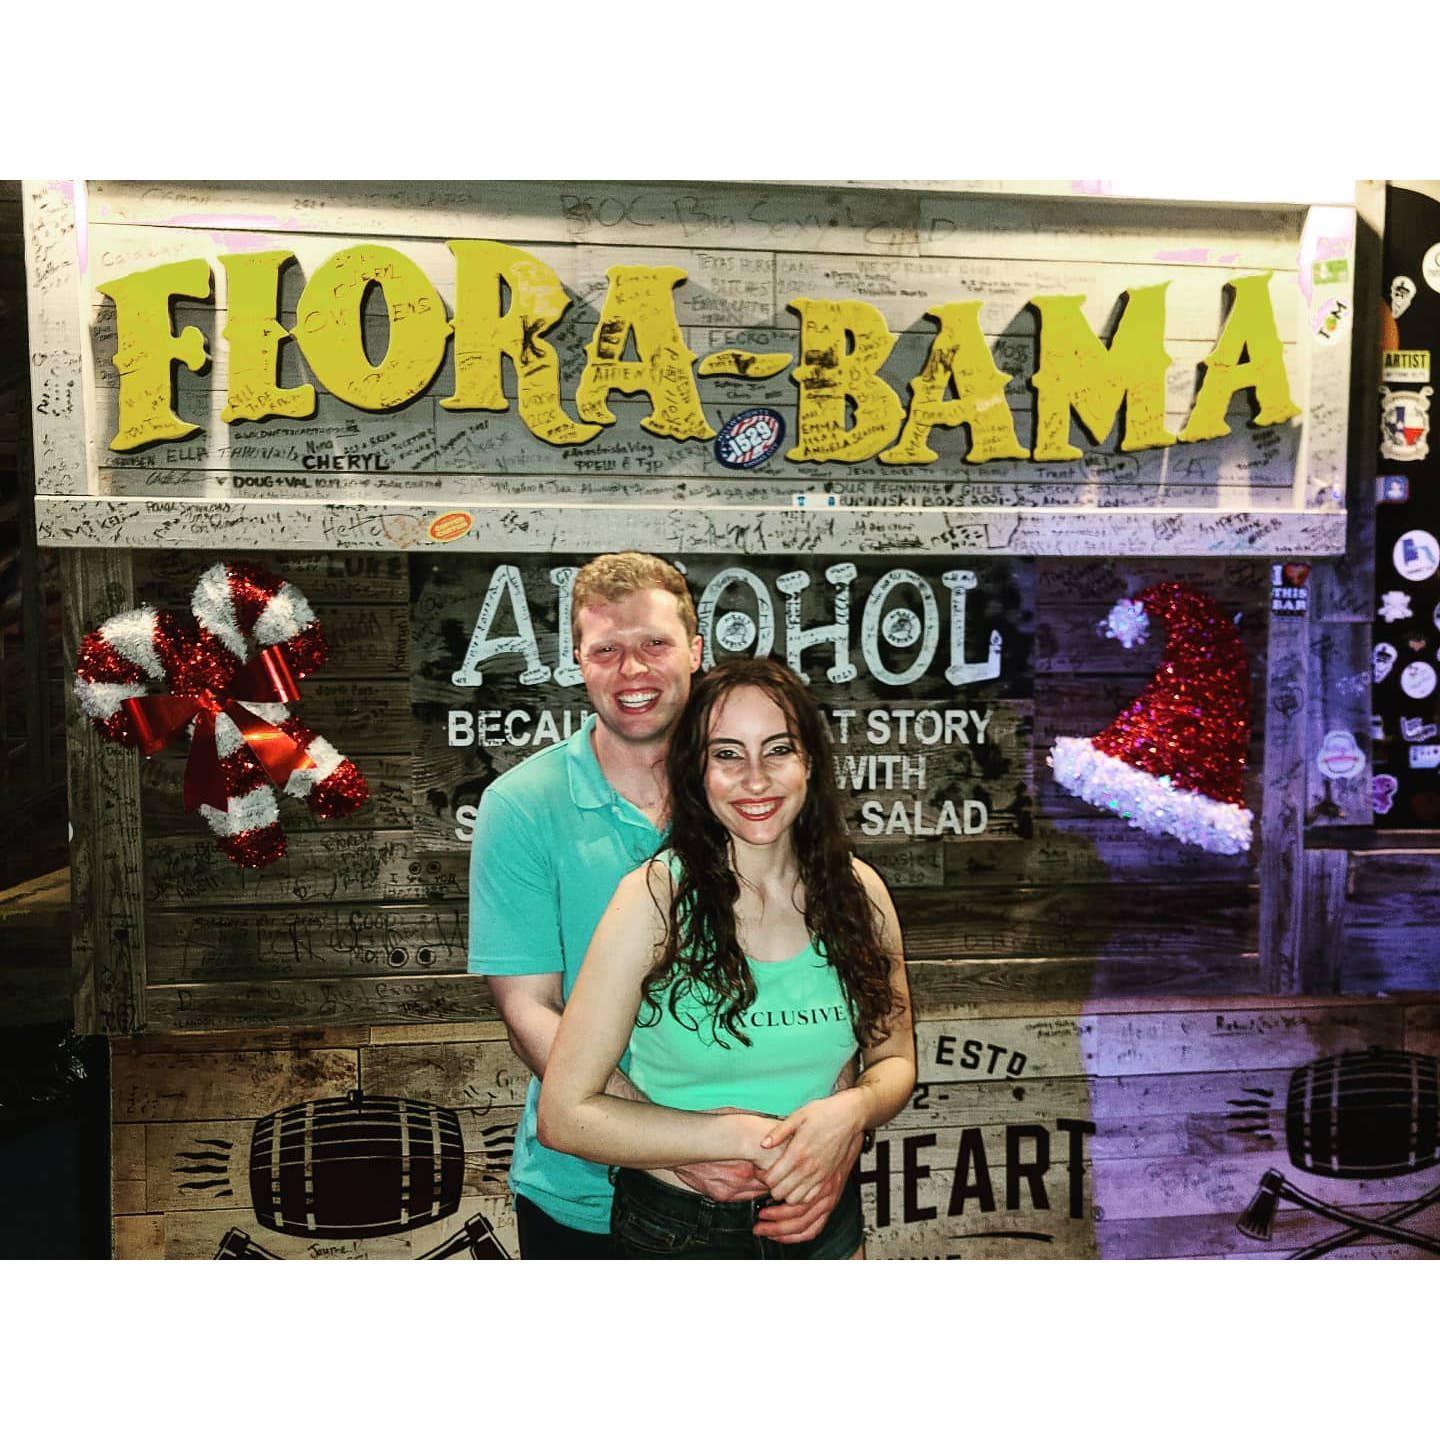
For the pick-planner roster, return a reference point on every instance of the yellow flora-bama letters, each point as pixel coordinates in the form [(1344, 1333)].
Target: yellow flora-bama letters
[(845, 410), (254, 336), (1249, 330), (1078, 373), (146, 347), (959, 356)]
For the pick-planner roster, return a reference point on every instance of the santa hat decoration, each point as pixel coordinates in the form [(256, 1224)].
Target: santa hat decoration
[(224, 675), (1172, 762)]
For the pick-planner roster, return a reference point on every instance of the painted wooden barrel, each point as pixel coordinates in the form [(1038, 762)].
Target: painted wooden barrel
[(1364, 1115), (360, 1166)]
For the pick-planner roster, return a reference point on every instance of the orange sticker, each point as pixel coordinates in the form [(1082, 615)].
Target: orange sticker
[(451, 526)]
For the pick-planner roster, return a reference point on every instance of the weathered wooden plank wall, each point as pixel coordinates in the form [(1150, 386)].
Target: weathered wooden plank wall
[(365, 921), (351, 478), (32, 756), (1129, 1129)]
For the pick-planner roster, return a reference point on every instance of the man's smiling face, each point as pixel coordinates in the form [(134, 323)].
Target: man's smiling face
[(637, 661)]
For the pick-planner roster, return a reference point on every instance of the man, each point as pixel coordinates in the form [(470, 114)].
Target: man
[(553, 838)]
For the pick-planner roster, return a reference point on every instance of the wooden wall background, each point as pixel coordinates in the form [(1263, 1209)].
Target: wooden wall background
[(747, 250), (1177, 1109), (364, 921), (1156, 993)]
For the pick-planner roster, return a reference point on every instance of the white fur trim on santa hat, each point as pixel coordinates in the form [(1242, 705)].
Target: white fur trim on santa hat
[(1128, 623), (1150, 802)]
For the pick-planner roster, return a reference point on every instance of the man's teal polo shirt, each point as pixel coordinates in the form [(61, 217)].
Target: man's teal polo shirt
[(552, 841)]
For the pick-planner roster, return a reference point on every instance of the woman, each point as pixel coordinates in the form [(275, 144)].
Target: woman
[(744, 968)]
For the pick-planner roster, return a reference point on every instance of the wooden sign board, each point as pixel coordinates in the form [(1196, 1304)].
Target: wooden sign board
[(725, 369), (923, 672)]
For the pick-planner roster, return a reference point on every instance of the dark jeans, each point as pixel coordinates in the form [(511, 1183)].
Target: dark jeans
[(542, 1238), (655, 1221)]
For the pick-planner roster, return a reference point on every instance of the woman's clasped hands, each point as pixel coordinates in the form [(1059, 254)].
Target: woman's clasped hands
[(800, 1154)]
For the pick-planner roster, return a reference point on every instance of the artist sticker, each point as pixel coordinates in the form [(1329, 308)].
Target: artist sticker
[(1405, 367), (1425, 757), (1414, 729), (1383, 660), (1332, 320), (1392, 489), (749, 439), (1395, 605), (1417, 679), (1405, 423), (1288, 592), (1340, 757), (1430, 267), (1416, 555), (1402, 292), (1382, 793)]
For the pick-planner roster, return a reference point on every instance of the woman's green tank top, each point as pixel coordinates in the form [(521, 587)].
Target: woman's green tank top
[(801, 1037)]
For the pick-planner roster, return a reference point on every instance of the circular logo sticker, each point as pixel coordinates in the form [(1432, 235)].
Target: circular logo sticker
[(1430, 266), (735, 631), (749, 439), (901, 627), (1340, 757), (1417, 555), (1417, 679)]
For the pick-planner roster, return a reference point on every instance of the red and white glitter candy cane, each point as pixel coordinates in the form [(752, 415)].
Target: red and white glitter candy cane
[(227, 677)]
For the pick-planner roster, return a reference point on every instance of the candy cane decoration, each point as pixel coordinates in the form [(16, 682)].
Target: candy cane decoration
[(226, 678)]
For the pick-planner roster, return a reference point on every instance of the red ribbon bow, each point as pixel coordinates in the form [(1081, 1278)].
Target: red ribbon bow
[(159, 718)]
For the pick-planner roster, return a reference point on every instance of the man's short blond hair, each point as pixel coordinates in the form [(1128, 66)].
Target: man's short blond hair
[(615, 577)]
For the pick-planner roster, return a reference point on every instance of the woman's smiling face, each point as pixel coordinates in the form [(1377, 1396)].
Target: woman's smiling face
[(756, 774)]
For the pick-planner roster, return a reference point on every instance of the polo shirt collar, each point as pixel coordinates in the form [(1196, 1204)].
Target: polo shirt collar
[(589, 788)]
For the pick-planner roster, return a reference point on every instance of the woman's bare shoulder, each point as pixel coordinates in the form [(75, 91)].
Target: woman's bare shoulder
[(647, 889), (878, 894), (869, 877)]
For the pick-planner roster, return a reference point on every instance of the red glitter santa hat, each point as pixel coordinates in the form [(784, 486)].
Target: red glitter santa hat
[(1172, 762)]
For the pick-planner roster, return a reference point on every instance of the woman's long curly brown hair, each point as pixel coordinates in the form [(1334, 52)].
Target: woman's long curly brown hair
[(702, 952)]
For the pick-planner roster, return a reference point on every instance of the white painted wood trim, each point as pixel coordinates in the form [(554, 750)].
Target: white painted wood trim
[(60, 369), (136, 522)]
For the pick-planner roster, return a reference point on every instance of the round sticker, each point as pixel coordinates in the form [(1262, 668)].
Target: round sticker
[(1430, 266), (451, 526), (749, 438), (1417, 679), (735, 631), (1340, 757), (1416, 555), (901, 627)]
